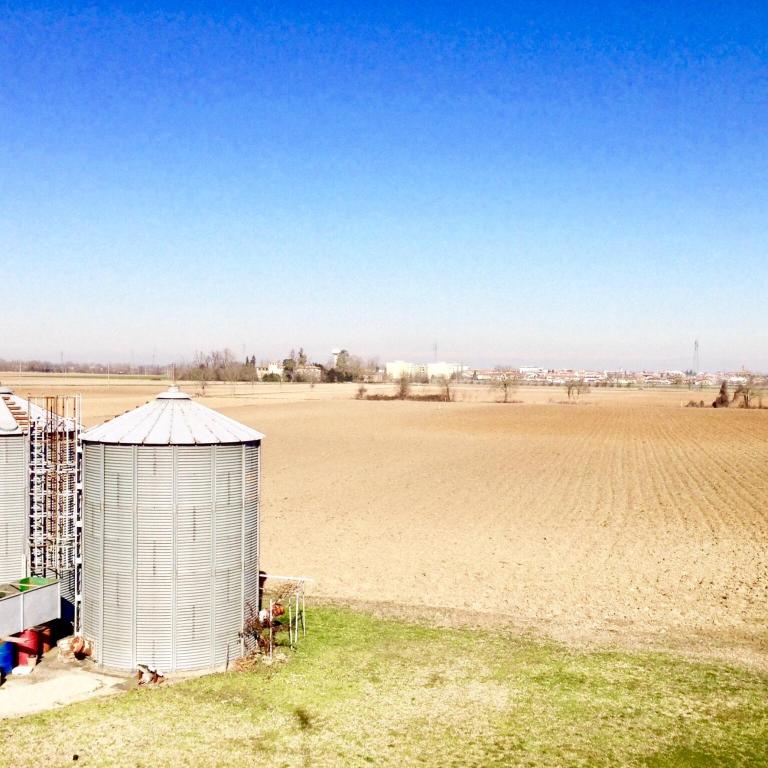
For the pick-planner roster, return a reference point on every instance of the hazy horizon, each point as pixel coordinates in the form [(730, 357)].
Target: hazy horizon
[(139, 366), (546, 184)]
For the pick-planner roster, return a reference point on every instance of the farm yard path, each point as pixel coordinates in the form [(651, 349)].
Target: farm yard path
[(623, 519)]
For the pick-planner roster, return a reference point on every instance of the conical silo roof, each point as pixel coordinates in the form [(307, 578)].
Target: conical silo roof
[(172, 418), (24, 411), (8, 423)]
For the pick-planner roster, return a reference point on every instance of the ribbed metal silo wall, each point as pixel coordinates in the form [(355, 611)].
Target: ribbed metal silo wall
[(193, 620), (171, 552), (13, 507), (93, 542), (118, 571), (229, 542), (251, 501), (154, 556)]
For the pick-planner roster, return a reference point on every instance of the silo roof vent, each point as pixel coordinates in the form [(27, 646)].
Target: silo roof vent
[(173, 393)]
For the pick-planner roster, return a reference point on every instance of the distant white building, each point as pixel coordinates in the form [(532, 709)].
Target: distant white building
[(445, 370), (531, 371), (265, 370), (399, 368), (424, 371)]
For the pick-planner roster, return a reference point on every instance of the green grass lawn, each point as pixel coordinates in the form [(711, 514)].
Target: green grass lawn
[(363, 691)]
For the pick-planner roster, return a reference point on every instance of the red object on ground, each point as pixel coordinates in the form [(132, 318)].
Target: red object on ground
[(28, 646), (45, 632)]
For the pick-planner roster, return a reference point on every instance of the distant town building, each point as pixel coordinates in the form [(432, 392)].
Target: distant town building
[(445, 370), (424, 371), (538, 376), (531, 371), (276, 369), (399, 368), (309, 372)]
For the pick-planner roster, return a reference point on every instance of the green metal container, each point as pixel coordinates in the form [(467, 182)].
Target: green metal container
[(30, 582)]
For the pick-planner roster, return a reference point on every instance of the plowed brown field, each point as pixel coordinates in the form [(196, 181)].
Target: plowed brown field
[(625, 517)]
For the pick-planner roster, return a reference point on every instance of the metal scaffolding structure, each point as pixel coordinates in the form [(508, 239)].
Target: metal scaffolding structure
[(55, 512)]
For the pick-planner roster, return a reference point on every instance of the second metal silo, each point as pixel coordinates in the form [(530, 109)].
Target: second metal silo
[(13, 494), (171, 535)]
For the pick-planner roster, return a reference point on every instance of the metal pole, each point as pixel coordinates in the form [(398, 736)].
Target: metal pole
[(303, 612)]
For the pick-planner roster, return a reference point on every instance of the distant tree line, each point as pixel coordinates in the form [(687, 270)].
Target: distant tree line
[(217, 365), (746, 395), (224, 365), (70, 366), (221, 365)]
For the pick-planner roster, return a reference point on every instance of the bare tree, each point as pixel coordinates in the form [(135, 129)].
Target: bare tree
[(371, 367), (231, 366), (445, 385), (745, 393), (199, 371), (576, 387), (507, 382), (403, 387), (290, 364), (722, 400)]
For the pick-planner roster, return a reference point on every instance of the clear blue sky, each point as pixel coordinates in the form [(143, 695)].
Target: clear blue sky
[(556, 183)]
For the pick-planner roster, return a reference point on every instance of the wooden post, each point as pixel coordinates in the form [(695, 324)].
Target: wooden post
[(290, 624), (271, 630)]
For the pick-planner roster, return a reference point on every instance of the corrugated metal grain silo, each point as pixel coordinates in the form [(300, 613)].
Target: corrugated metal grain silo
[(13, 495), (171, 535)]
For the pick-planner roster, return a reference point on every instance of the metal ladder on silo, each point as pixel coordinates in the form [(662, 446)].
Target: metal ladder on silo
[(37, 506), (55, 529), (78, 514)]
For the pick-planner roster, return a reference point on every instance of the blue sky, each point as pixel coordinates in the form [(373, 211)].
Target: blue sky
[(565, 184)]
